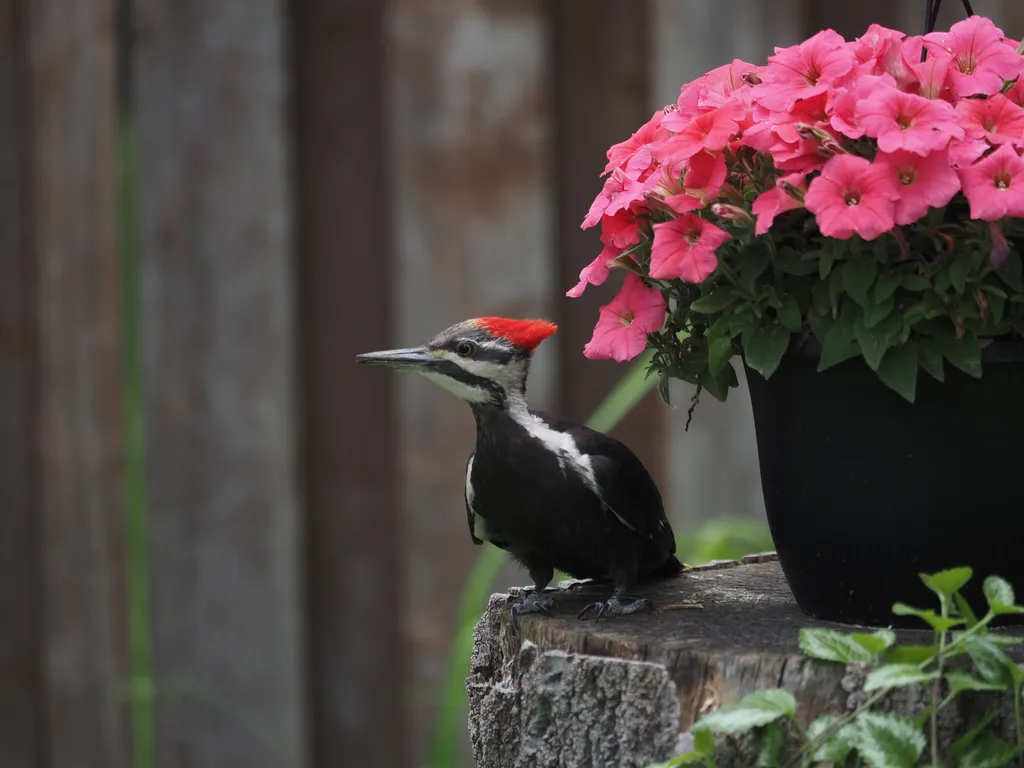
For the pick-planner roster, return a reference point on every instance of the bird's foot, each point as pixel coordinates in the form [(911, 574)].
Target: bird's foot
[(616, 606), (533, 602)]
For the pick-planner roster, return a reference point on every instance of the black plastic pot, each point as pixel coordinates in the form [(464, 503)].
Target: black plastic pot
[(864, 491)]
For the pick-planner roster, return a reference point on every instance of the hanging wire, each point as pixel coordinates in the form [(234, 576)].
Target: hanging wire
[(931, 15)]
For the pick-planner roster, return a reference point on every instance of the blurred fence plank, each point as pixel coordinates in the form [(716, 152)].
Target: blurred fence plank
[(602, 80), (63, 644), (216, 305), (355, 564), (468, 90)]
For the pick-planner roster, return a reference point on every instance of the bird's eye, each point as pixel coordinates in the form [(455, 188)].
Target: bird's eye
[(465, 349)]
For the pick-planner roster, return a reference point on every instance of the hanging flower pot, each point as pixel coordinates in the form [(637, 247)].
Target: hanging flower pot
[(845, 220)]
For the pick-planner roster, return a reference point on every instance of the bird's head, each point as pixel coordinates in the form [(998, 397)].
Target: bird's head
[(483, 361)]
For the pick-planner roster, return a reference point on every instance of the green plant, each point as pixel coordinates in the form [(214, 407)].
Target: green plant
[(964, 657)]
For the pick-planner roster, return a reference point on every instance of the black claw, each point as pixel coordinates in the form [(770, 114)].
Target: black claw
[(614, 606), (532, 602)]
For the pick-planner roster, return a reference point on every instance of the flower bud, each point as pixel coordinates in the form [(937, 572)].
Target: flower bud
[(732, 213), (792, 190)]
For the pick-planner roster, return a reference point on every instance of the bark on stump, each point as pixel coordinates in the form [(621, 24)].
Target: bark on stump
[(626, 692)]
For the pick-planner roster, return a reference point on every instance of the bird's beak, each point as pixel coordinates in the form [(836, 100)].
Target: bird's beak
[(413, 359)]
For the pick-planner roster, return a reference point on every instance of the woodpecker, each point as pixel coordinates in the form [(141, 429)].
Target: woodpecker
[(553, 494)]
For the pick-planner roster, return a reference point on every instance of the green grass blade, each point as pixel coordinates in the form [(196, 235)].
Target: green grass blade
[(140, 640), (447, 737)]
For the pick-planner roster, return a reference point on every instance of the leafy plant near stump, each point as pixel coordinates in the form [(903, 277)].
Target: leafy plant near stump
[(876, 738), (868, 193)]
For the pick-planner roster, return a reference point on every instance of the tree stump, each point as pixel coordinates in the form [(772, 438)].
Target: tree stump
[(626, 691)]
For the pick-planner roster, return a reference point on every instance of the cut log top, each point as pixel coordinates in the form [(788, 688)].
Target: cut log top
[(572, 693)]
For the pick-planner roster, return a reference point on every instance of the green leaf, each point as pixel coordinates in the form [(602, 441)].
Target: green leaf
[(1010, 271), (858, 275), (937, 622), (886, 285), (930, 359), (875, 643), (876, 313), (835, 289), (987, 752), (752, 711), (792, 262), (911, 654), (945, 583), (828, 258), (836, 747), (895, 675), (719, 352), (914, 282), (789, 315), (765, 348), (716, 301), (751, 266), (703, 742), (835, 348), (832, 645), (771, 745), (992, 663), (964, 609), (873, 345), (963, 681), (964, 354), (1000, 597), (959, 747), (898, 370), (885, 740), (958, 272)]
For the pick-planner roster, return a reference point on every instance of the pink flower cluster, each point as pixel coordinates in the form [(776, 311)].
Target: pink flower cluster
[(864, 134)]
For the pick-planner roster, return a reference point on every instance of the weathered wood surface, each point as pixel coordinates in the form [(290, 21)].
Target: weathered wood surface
[(601, 89), (62, 644), (215, 250), (625, 692), (357, 657)]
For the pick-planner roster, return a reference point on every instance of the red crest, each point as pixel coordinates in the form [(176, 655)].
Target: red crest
[(526, 334)]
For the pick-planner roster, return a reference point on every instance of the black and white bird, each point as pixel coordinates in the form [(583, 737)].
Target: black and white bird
[(553, 494)]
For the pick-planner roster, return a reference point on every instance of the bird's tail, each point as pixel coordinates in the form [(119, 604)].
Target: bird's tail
[(669, 568)]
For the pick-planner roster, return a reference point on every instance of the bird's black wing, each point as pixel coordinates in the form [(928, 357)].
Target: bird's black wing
[(627, 488), (470, 513)]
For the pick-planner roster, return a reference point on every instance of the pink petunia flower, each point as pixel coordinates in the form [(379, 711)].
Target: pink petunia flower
[(852, 196), (634, 154), (905, 121), (996, 119), (618, 194), (621, 230), (624, 322), (932, 75), (717, 87), (843, 117), (982, 59), (777, 200), (965, 151), (803, 70), (596, 272), (710, 130), (923, 182), (685, 248), (994, 186)]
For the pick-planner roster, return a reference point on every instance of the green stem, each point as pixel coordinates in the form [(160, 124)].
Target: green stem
[(810, 747), (140, 639)]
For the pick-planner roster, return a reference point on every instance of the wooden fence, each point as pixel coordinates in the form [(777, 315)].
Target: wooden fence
[(315, 178)]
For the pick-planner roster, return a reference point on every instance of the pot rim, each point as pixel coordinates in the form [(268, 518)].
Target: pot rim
[(1003, 349)]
